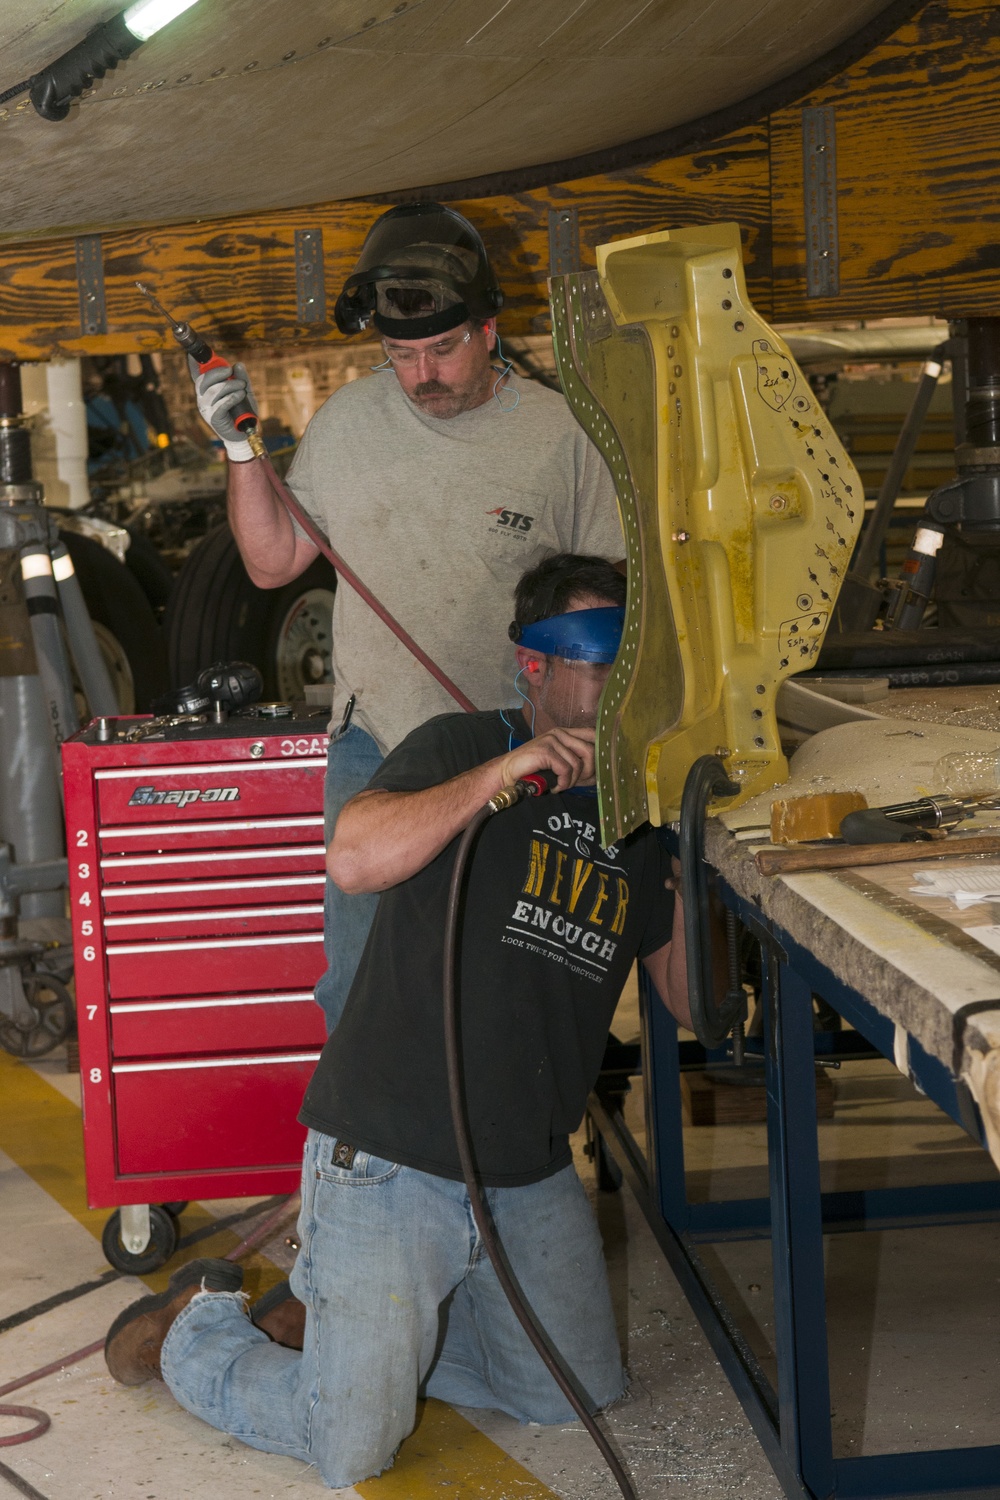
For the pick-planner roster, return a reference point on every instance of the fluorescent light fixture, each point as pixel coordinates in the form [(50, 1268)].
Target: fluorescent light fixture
[(55, 87), (147, 17)]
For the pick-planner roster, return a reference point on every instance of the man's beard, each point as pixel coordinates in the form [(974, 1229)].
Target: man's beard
[(453, 399)]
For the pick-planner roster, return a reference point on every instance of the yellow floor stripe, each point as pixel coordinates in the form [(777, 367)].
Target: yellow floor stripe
[(447, 1455), (40, 1131)]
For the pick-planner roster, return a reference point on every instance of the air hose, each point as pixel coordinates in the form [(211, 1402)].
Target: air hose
[(317, 538), (529, 786)]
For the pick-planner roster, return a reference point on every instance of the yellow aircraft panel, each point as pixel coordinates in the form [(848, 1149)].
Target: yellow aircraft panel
[(740, 509)]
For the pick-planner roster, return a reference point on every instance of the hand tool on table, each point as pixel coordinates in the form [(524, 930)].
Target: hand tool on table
[(902, 822), (850, 856)]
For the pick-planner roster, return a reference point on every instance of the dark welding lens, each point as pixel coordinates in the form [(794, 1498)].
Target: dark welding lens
[(410, 301)]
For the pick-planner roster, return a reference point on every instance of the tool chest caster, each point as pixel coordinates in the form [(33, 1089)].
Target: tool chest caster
[(127, 1228)]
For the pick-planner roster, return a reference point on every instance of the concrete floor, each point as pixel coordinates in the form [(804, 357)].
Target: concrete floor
[(915, 1319)]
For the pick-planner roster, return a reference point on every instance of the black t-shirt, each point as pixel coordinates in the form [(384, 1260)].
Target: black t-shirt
[(550, 928)]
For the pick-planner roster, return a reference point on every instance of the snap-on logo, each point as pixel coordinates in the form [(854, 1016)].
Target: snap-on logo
[(319, 744), (512, 520), (148, 796)]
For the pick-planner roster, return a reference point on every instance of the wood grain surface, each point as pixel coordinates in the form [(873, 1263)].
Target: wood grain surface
[(917, 174)]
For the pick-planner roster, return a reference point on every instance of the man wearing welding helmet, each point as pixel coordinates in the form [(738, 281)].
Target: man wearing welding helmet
[(392, 1296), (438, 480)]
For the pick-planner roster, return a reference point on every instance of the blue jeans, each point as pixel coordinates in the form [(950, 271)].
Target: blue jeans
[(401, 1302), (352, 762)]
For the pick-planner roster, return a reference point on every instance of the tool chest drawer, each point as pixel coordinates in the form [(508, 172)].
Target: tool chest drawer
[(211, 965), (197, 872), (203, 837), (190, 895), (214, 862), (207, 1114), (225, 921), (219, 1023), (220, 789)]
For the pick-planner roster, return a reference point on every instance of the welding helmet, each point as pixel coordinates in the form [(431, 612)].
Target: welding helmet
[(588, 635), (423, 270)]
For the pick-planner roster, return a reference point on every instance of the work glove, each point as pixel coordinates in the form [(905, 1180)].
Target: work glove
[(218, 391)]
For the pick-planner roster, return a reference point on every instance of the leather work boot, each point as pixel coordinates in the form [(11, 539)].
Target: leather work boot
[(135, 1338), (281, 1315)]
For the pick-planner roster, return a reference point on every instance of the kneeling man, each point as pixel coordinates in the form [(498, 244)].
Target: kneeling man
[(398, 1298)]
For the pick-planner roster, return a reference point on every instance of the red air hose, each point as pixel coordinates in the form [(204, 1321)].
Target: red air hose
[(41, 1419)]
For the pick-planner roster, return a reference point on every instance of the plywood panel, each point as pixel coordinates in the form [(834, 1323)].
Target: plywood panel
[(918, 171)]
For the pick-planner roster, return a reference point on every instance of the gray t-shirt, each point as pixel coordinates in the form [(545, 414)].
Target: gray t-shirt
[(439, 518)]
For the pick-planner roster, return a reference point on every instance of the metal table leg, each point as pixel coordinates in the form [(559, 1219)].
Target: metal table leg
[(796, 1227)]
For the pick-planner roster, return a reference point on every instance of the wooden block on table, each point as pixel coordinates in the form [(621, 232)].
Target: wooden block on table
[(796, 820)]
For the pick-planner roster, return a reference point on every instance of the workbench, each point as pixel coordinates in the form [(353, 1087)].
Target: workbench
[(927, 999)]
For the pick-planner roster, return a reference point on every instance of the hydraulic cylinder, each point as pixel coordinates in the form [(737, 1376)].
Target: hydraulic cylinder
[(31, 819)]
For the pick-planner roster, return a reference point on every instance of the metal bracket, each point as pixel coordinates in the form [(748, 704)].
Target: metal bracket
[(310, 292), (90, 280), (136, 1230), (564, 241), (819, 162)]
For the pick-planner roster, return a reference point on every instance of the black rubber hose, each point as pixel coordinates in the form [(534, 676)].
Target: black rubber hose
[(17, 88), (706, 779), (902, 454), (20, 1484), (480, 1210)]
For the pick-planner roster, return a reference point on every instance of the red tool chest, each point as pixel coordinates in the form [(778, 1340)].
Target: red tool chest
[(196, 885)]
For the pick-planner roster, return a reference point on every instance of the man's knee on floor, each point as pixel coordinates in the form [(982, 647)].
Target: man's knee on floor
[(357, 1437), (347, 1463)]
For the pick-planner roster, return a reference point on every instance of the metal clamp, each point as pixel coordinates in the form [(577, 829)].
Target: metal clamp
[(712, 1023)]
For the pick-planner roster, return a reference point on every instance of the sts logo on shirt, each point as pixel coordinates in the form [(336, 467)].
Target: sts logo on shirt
[(512, 521)]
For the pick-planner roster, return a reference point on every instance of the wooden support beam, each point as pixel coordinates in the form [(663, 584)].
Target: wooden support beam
[(915, 185), (234, 278)]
